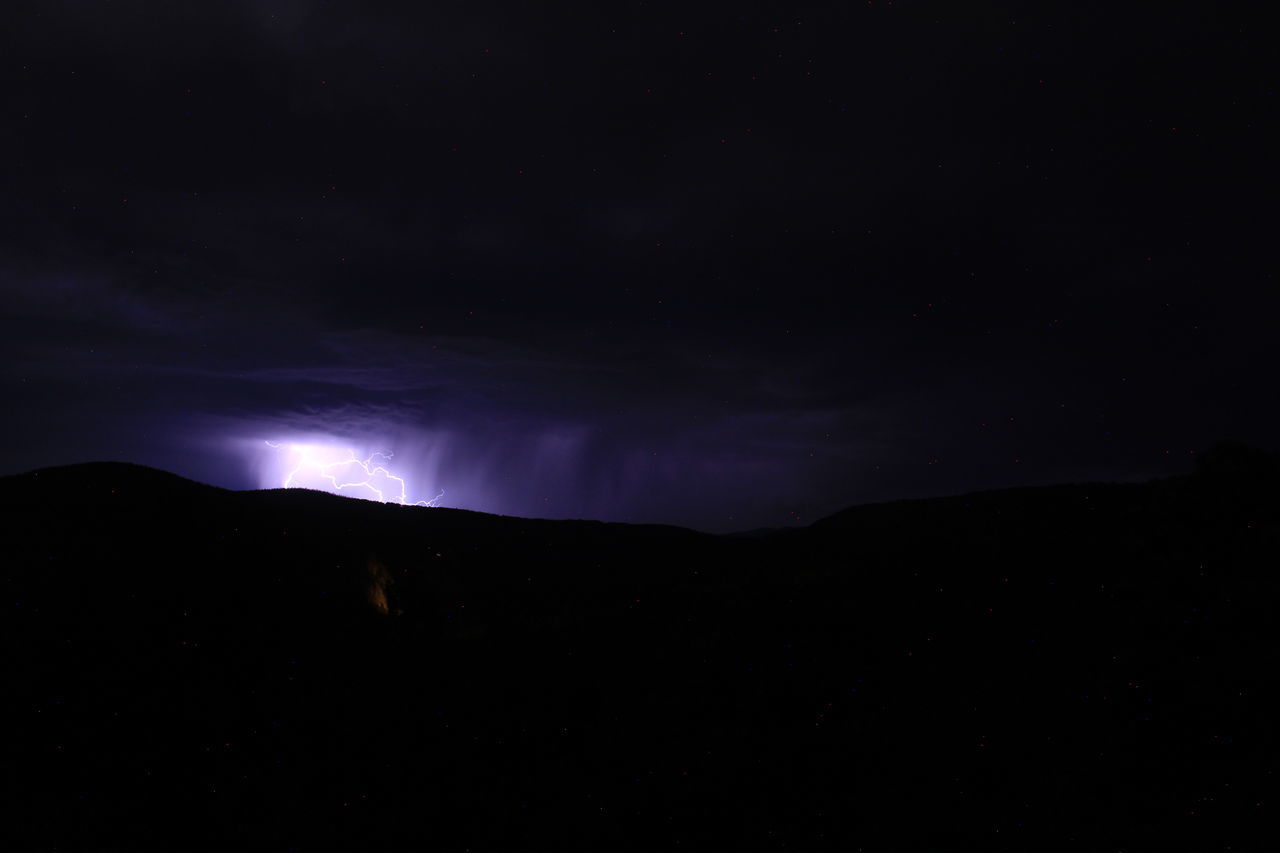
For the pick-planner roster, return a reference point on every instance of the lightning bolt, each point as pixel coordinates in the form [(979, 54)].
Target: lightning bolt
[(350, 472)]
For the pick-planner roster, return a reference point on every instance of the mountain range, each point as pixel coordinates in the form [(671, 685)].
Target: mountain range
[(1086, 666)]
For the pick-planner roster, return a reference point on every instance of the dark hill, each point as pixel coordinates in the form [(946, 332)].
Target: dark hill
[(1085, 667), (99, 481)]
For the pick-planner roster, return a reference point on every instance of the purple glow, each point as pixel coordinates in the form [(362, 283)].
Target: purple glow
[(339, 469)]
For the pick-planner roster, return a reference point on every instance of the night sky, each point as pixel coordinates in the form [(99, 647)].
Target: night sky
[(726, 267)]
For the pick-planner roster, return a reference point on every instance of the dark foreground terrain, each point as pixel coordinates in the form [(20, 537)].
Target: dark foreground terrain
[(1087, 667)]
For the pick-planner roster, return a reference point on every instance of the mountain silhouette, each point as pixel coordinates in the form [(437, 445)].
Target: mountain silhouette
[(1087, 666)]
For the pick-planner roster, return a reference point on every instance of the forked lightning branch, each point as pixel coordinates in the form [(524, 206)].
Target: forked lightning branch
[(340, 470)]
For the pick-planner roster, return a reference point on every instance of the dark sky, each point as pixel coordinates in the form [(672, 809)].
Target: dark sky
[(722, 267)]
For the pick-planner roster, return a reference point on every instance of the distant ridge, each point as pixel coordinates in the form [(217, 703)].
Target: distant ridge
[(127, 482)]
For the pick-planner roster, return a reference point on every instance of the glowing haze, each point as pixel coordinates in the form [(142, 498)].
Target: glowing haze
[(339, 469)]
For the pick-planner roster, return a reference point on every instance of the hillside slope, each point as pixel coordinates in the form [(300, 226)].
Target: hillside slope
[(1078, 666)]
